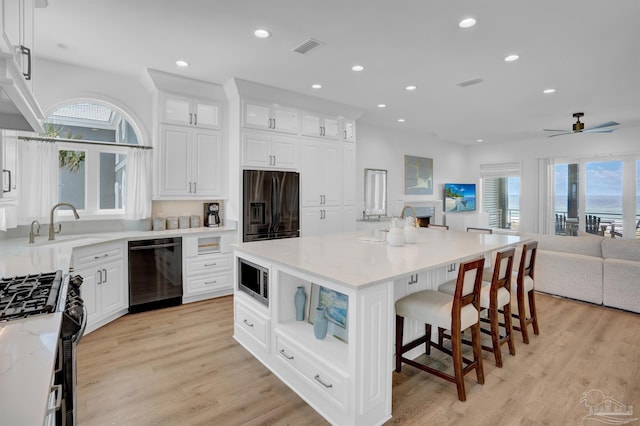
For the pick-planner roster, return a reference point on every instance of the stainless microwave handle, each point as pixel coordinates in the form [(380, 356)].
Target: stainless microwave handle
[(154, 246)]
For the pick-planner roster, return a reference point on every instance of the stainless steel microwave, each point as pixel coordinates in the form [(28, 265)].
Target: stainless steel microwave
[(254, 280)]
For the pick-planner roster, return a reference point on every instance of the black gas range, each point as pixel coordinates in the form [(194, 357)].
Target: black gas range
[(22, 297)]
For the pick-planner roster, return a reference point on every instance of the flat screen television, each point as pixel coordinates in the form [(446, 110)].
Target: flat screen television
[(459, 197)]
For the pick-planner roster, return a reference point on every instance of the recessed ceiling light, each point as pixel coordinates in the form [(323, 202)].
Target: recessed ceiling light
[(479, 140), (182, 63), (511, 58), (261, 33), (401, 120), (357, 68), (467, 23), (411, 88), (382, 105), (316, 86), (547, 91)]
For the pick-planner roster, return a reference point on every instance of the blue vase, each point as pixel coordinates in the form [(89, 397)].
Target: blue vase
[(299, 300), (320, 323)]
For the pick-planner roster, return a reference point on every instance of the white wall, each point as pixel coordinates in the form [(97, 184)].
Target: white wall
[(384, 148), (623, 141)]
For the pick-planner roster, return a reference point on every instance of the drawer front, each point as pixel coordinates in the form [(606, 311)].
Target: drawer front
[(212, 282), (86, 256), (317, 375), (253, 324), (208, 263)]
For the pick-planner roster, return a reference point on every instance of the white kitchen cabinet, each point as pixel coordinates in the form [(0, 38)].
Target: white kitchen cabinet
[(348, 174), (186, 111), (348, 130), (269, 116), (264, 150), (190, 163), (9, 161), (321, 174), (17, 33), (103, 290), (320, 126), (207, 268), (320, 221)]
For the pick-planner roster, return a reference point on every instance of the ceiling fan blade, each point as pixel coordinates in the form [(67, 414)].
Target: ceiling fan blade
[(560, 134), (596, 130), (554, 130), (598, 126)]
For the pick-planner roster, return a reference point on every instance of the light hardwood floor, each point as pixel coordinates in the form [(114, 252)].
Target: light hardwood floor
[(181, 366)]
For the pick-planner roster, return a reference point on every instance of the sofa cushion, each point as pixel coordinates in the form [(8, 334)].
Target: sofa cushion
[(570, 275), (588, 246), (621, 249), (621, 287)]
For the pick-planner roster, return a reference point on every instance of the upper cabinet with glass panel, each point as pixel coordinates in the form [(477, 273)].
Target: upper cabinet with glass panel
[(185, 111)]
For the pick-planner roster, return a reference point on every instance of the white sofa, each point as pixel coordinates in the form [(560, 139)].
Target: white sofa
[(604, 271)]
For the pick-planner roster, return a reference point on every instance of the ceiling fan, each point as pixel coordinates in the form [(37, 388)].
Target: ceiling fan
[(578, 127)]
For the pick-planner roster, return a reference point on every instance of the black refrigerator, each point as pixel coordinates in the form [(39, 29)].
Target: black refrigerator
[(271, 205)]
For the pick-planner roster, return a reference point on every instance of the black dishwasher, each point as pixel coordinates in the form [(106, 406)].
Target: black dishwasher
[(155, 273)]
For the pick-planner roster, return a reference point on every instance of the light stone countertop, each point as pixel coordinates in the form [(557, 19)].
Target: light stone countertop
[(28, 346), (346, 259)]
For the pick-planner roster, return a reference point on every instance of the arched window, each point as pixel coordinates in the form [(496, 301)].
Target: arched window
[(94, 142)]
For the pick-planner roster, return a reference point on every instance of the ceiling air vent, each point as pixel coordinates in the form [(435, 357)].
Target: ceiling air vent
[(308, 46), (469, 82)]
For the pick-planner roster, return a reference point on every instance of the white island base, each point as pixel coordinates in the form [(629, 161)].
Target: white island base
[(348, 379)]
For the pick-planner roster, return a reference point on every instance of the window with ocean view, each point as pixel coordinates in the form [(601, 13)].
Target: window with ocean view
[(590, 196), (501, 200)]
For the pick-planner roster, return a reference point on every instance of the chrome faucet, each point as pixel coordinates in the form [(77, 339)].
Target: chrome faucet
[(32, 235), (404, 209), (52, 230)]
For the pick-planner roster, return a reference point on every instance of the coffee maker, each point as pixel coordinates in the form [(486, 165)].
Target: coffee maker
[(212, 214)]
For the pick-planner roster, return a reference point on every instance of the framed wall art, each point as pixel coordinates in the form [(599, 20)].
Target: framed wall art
[(418, 175), (337, 306)]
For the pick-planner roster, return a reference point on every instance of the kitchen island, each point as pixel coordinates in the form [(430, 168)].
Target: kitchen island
[(346, 376)]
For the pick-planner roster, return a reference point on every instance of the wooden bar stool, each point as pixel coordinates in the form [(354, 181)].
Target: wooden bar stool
[(524, 285), (495, 295), (456, 313)]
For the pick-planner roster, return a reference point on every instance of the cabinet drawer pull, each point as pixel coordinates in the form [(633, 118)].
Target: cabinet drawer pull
[(190, 118), (274, 123), (105, 274), (195, 119), (210, 282), (101, 256), (284, 354), (317, 377), (247, 322), (210, 264)]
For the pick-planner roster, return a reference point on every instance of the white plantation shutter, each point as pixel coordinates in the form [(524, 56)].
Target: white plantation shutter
[(494, 189)]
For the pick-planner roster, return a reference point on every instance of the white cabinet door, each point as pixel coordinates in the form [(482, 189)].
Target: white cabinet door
[(89, 293), (332, 220), (175, 161), (311, 125), (111, 288), (331, 128), (332, 174), (310, 221), (16, 38), (284, 153), (256, 115), (285, 119), (207, 162), (206, 114), (9, 161), (349, 130), (310, 174), (348, 175)]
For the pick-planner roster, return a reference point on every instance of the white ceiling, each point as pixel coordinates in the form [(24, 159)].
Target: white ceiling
[(589, 50)]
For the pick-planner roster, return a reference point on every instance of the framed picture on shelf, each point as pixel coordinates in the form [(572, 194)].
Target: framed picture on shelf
[(337, 309)]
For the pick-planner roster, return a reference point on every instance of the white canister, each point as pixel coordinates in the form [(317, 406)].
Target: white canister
[(395, 236), (183, 222), (159, 224), (172, 222), (146, 224), (195, 221)]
